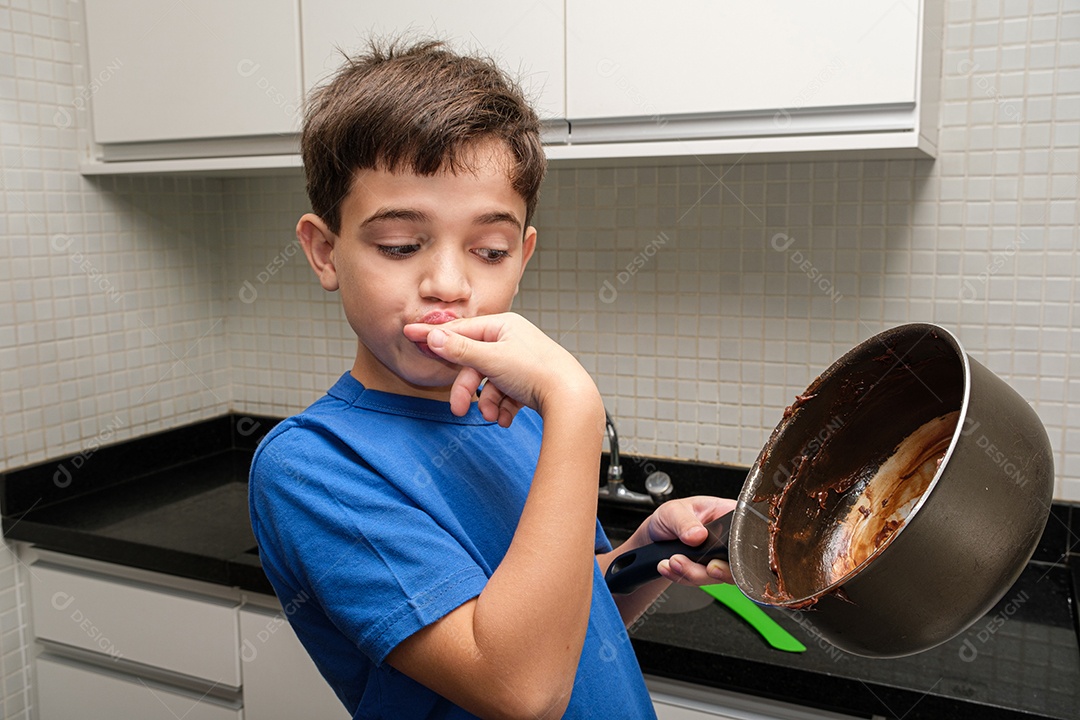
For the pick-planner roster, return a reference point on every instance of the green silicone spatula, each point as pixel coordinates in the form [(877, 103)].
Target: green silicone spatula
[(742, 606)]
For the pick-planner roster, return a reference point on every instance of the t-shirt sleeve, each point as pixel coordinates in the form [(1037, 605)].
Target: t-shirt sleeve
[(379, 566), (603, 545)]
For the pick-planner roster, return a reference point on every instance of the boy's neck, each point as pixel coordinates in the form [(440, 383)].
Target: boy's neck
[(383, 379)]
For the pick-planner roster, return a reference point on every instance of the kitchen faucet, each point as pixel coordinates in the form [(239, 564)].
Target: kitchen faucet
[(614, 489)]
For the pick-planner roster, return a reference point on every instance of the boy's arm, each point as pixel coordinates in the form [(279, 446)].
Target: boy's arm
[(514, 650)]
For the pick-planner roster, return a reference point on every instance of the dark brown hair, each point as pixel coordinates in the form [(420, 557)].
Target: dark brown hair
[(414, 109)]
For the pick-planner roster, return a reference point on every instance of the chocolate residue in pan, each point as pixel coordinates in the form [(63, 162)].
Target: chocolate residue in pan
[(800, 400), (901, 482), (887, 529), (887, 356), (782, 597)]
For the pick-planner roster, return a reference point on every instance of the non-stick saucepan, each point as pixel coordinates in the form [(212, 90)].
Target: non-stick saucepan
[(895, 503)]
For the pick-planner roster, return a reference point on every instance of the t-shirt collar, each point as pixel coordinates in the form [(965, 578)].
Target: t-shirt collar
[(350, 390)]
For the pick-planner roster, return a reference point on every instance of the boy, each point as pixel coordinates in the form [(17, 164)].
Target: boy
[(446, 548)]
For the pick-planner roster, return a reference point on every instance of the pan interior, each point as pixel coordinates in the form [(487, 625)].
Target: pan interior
[(848, 464), (870, 514)]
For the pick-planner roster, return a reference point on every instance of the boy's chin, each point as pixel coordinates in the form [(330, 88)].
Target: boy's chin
[(433, 374)]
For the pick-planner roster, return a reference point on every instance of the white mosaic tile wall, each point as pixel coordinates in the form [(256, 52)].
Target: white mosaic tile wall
[(112, 322)]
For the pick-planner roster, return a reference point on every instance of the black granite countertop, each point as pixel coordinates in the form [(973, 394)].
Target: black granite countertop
[(176, 503)]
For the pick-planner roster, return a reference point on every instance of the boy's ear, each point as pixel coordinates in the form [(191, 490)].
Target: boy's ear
[(318, 243), (528, 247)]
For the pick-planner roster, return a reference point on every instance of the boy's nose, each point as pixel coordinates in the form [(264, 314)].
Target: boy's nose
[(444, 279)]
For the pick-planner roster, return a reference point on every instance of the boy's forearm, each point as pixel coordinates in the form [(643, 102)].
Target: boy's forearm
[(632, 605), (531, 618)]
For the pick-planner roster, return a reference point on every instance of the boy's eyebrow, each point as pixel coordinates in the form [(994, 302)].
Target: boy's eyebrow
[(407, 214), (494, 218), (417, 216)]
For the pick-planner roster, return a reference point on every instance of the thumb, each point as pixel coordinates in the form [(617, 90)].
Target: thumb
[(677, 520), (451, 346)]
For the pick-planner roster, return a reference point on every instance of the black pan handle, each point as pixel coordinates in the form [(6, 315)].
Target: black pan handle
[(636, 567)]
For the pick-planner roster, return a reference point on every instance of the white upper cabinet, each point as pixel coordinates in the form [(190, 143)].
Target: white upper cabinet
[(210, 86), (162, 70), (640, 58), (747, 76), (526, 39)]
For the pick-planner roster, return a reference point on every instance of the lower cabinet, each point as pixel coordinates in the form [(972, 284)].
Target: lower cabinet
[(115, 642), (674, 700), (71, 689), (131, 622), (280, 680)]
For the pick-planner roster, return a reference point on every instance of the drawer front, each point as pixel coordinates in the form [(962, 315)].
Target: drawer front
[(168, 630), (67, 690)]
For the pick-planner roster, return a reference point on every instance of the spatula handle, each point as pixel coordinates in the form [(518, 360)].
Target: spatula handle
[(636, 567)]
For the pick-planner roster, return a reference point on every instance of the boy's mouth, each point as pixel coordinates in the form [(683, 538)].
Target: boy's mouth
[(438, 317), (435, 317)]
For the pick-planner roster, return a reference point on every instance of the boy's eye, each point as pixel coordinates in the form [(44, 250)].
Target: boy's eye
[(492, 256), (398, 251)]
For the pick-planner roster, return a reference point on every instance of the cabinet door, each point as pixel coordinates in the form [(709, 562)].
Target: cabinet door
[(173, 631), (280, 680), (633, 58), (197, 69), (67, 689), (525, 39)]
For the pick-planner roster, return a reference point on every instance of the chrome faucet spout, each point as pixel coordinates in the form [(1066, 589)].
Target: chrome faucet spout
[(614, 471), (614, 489)]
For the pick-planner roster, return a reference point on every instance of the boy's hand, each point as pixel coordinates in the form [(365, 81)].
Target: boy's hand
[(523, 366), (685, 520)]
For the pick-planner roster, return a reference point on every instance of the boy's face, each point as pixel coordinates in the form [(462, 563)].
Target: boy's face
[(421, 249)]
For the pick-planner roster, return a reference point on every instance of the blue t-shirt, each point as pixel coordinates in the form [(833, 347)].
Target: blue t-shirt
[(377, 514)]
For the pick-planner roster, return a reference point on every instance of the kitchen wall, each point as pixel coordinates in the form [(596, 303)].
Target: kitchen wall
[(704, 297), (701, 297), (113, 321)]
